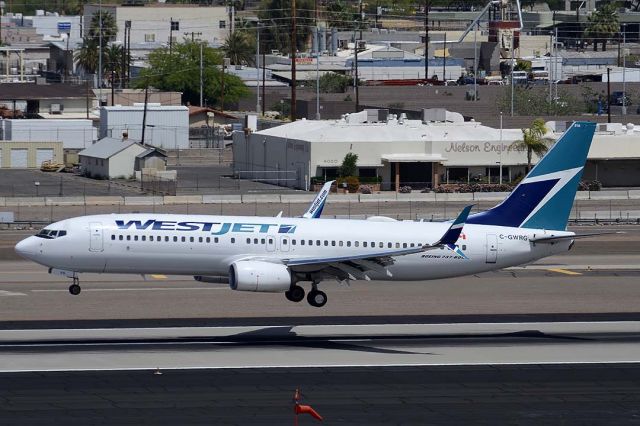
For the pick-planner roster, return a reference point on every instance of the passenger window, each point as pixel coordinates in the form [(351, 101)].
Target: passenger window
[(348, 243), (191, 240), (333, 243), (397, 245), (233, 240), (184, 239), (113, 237), (120, 237), (262, 241), (128, 237), (357, 243), (381, 244), (248, 240), (364, 244), (150, 237), (389, 245), (404, 245), (419, 244), (464, 247), (293, 242), (208, 239), (255, 241), (199, 239), (284, 242), (310, 242), (215, 239), (340, 243), (301, 242), (144, 238), (413, 245), (135, 238), (317, 242), (373, 244), (175, 239)]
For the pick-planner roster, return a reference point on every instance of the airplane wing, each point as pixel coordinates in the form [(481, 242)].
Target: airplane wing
[(315, 208), (550, 239), (356, 266)]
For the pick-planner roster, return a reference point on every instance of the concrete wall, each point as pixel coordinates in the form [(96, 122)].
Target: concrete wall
[(76, 134), (95, 167), (122, 164)]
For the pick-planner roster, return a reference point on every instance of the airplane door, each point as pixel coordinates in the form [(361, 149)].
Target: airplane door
[(271, 243), (284, 243), (95, 236), (492, 248)]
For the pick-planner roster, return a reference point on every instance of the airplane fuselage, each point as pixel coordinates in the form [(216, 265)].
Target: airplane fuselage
[(208, 245)]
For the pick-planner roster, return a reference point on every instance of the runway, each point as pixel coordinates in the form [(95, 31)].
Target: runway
[(555, 342)]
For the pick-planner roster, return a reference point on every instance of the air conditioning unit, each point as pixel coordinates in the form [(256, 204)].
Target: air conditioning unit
[(56, 108)]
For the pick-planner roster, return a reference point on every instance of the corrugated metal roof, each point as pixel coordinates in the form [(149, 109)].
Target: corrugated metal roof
[(107, 148)]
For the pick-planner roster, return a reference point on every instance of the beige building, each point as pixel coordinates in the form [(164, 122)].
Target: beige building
[(28, 155), (110, 158), (151, 23)]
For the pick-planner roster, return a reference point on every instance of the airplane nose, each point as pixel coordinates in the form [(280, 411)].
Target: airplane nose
[(26, 248)]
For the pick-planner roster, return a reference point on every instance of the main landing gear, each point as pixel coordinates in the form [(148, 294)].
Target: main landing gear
[(75, 287), (315, 297)]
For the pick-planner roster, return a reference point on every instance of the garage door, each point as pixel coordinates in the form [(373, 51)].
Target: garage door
[(43, 154), (19, 158)]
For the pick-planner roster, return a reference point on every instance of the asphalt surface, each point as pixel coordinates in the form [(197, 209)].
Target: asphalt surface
[(478, 395)]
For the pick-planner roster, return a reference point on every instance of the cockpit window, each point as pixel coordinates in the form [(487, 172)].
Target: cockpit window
[(50, 234)]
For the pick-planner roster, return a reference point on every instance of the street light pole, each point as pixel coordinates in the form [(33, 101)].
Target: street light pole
[(258, 68), (500, 151), (475, 62)]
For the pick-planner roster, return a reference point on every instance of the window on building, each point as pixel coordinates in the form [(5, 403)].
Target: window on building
[(175, 25), (222, 24), (149, 38)]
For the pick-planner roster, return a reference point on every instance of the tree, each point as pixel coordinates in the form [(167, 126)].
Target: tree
[(602, 25), (180, 71), (276, 14), (109, 29), (349, 165), (533, 141), (333, 83), (87, 55), (240, 48)]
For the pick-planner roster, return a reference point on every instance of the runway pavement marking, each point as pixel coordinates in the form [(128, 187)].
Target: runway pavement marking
[(564, 271), (130, 289), (4, 293), (159, 277)]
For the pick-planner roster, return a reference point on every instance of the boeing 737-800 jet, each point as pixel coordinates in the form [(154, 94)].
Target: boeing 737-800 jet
[(274, 254)]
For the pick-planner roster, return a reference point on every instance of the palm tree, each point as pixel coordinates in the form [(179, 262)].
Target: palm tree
[(112, 60), (603, 24), (533, 141), (108, 28), (87, 56), (239, 48)]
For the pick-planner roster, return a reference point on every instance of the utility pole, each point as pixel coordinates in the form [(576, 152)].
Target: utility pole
[(258, 68), (144, 111), (426, 41), (624, 70), (444, 59), (201, 75), (355, 57), (100, 54), (128, 41), (608, 95), (475, 62), (294, 48), (193, 35), (113, 77), (264, 77)]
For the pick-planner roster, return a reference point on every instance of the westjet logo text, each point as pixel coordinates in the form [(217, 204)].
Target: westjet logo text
[(215, 228)]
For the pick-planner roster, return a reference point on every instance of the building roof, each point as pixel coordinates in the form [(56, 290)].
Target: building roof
[(107, 148), (150, 151), (327, 131), (33, 91)]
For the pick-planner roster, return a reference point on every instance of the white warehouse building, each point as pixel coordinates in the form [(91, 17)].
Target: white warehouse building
[(439, 149), (167, 127), (74, 134)]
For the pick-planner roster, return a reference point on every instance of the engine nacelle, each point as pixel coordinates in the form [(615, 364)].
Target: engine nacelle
[(248, 275)]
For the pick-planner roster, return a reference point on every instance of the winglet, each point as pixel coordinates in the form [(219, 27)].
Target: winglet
[(315, 209), (454, 231)]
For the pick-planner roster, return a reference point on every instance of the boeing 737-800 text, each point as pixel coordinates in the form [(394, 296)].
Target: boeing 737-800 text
[(274, 254)]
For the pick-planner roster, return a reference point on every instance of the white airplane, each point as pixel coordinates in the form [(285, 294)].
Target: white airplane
[(274, 254)]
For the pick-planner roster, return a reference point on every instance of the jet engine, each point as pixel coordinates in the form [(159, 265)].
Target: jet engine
[(247, 275)]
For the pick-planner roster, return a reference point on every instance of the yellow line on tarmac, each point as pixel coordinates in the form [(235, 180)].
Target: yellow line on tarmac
[(564, 271), (159, 277)]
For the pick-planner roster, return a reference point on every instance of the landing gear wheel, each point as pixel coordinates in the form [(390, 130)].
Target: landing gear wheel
[(74, 289), (295, 294), (317, 298)]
